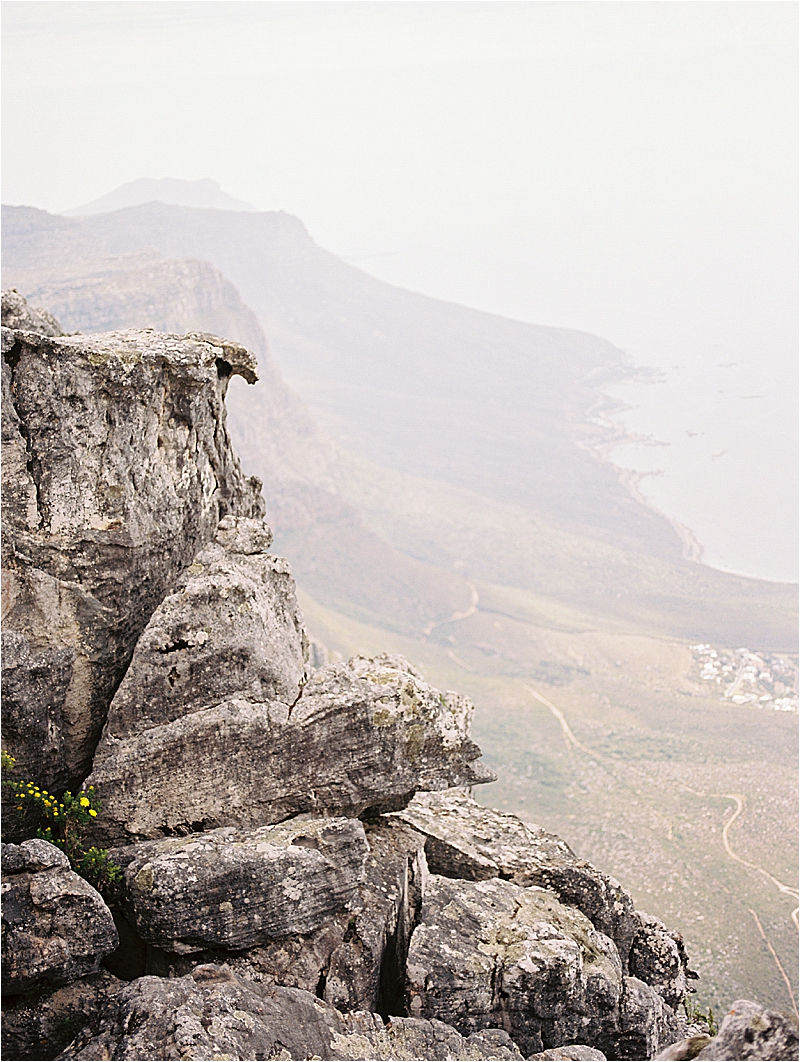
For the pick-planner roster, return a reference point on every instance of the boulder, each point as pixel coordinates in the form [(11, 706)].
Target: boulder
[(355, 959), (658, 957), (492, 954), (235, 889), (231, 627), (18, 313), (56, 927), (466, 840), (749, 1030), (213, 1013), (364, 735), (116, 469), (42, 1023)]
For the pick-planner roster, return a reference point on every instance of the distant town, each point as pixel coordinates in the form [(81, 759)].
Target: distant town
[(744, 677)]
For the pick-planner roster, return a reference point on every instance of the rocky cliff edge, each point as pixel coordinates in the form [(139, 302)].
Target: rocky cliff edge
[(303, 870)]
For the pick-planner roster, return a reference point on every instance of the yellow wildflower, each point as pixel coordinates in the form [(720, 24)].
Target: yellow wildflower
[(93, 813), (84, 802)]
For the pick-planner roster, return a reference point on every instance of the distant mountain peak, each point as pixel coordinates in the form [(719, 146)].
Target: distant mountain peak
[(204, 193)]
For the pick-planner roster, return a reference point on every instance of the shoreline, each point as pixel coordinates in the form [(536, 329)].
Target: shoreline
[(691, 548), (610, 434), (604, 434)]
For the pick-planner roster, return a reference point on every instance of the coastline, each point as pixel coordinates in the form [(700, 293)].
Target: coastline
[(691, 549), (611, 433)]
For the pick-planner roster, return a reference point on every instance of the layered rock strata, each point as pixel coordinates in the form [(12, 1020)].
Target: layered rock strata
[(354, 958), (213, 1013), (253, 885), (494, 954), (468, 841), (213, 692), (117, 467)]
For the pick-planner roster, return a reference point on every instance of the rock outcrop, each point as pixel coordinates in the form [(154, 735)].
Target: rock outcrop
[(356, 958), (363, 735), (56, 927), (213, 1013), (493, 954), (304, 873), (750, 1031), (237, 889), (466, 840), (116, 469)]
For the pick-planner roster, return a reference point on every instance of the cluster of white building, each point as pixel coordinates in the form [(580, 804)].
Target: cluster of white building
[(749, 678)]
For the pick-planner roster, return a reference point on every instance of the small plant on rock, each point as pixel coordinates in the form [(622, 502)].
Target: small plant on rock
[(697, 1016), (62, 823)]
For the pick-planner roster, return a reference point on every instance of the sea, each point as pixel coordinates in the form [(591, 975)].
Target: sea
[(715, 447)]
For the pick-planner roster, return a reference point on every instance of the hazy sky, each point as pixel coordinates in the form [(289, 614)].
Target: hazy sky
[(624, 168)]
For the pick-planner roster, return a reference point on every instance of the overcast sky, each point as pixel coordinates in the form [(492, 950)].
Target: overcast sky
[(624, 168)]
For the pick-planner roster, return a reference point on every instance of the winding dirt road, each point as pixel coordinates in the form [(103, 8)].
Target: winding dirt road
[(473, 608), (739, 804)]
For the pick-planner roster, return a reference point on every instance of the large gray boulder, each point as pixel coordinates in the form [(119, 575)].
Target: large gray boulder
[(363, 735), (236, 889), (117, 468), (469, 841), (56, 927), (213, 1013), (230, 627), (356, 957), (750, 1031), (491, 954)]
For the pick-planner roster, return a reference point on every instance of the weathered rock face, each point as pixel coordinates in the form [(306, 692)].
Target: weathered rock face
[(237, 889), (362, 735), (56, 927), (748, 1030), (230, 628), (659, 958), (466, 840), (356, 959), (116, 468), (491, 954), (43, 1023), (213, 1013)]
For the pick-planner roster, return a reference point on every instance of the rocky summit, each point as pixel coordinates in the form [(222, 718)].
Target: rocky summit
[(289, 859)]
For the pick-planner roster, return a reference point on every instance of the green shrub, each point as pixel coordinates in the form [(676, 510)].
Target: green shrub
[(62, 822)]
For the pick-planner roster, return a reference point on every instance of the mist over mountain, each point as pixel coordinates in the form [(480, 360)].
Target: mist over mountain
[(503, 412), (436, 478), (202, 193)]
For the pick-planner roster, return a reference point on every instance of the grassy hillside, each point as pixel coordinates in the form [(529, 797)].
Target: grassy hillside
[(644, 793), (450, 483)]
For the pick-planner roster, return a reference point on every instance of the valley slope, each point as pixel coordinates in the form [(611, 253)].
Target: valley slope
[(455, 510)]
